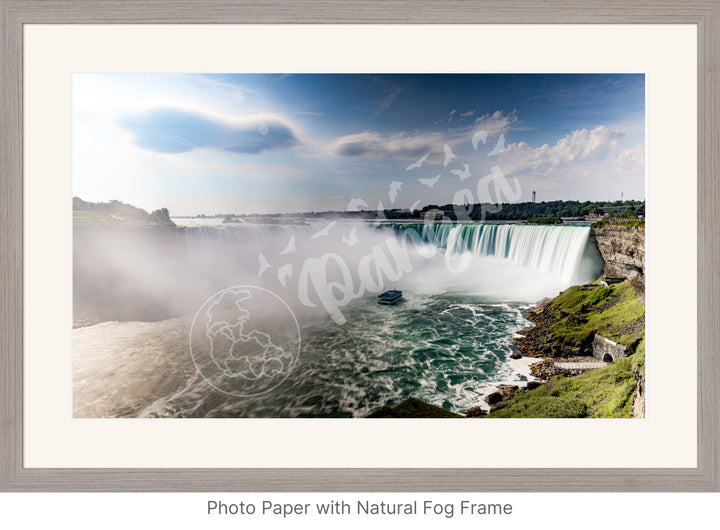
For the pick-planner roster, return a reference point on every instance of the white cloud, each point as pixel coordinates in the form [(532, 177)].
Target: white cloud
[(370, 144), (581, 146), (632, 157), (591, 161), (497, 122), (389, 98), (467, 114)]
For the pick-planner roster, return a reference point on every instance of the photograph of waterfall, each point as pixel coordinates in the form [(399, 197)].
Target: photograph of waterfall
[(358, 245)]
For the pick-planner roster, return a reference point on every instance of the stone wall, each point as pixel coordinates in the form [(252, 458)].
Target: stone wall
[(623, 249), (607, 350)]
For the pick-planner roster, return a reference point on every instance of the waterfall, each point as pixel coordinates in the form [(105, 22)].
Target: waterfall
[(155, 273), (562, 251)]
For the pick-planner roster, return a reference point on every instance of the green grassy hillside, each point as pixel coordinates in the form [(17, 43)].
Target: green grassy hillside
[(573, 318), (116, 213), (613, 311), (602, 393)]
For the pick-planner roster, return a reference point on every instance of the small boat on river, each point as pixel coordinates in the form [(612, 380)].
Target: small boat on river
[(389, 297)]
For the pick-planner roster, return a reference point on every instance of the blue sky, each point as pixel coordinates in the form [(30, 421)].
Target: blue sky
[(261, 143)]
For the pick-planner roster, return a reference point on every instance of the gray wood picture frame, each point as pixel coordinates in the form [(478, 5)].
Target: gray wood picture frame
[(15, 13)]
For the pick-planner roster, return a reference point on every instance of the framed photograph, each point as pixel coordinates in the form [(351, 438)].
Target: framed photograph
[(461, 246)]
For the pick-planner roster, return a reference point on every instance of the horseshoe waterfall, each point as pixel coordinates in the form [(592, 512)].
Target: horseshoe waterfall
[(467, 289)]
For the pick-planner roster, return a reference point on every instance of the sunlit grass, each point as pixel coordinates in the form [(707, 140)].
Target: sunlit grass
[(579, 313)]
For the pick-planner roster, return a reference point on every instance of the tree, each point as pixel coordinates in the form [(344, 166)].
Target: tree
[(161, 216)]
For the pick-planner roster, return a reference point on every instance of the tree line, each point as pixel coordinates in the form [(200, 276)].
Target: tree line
[(122, 210), (522, 211)]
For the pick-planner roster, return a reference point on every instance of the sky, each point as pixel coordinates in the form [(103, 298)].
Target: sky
[(271, 143)]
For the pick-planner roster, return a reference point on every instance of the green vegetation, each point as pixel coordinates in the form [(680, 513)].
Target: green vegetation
[(613, 311), (521, 211), (615, 222), (578, 313), (116, 213), (413, 408), (536, 404), (602, 393), (545, 220), (161, 216)]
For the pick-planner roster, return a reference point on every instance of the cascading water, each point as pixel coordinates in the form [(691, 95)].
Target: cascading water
[(561, 251), (448, 343)]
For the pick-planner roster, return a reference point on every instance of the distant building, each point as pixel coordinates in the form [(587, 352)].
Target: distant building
[(608, 211), (533, 199), (614, 209)]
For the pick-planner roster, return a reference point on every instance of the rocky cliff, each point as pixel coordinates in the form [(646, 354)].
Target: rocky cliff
[(638, 410), (623, 249), (567, 325)]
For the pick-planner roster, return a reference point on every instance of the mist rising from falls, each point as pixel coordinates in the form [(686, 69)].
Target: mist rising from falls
[(132, 273)]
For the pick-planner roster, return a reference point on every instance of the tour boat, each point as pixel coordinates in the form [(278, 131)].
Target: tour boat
[(389, 297)]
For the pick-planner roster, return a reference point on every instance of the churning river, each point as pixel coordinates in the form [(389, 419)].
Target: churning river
[(282, 320)]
